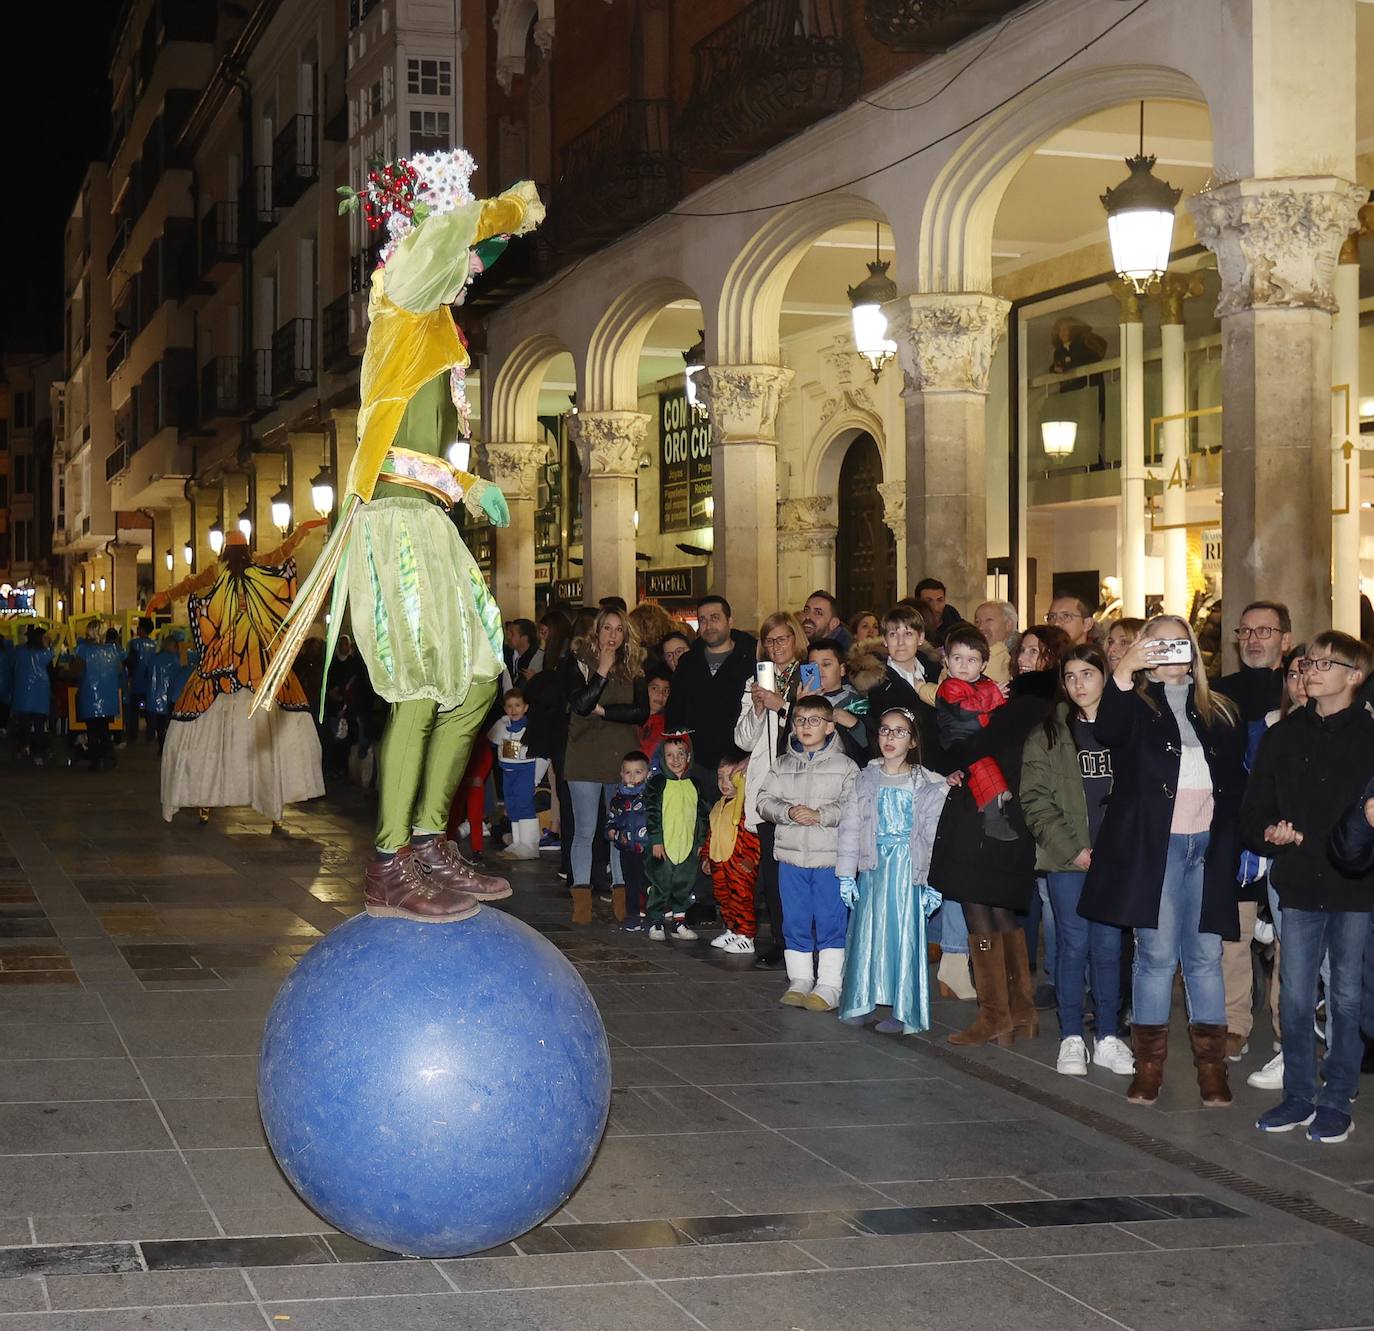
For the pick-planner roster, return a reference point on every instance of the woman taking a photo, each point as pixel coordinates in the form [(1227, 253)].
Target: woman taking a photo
[(1164, 862), (608, 700), (1066, 781), (761, 731)]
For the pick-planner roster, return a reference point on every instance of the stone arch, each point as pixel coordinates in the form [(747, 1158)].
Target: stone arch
[(513, 416), (512, 23), (746, 330), (612, 373), (955, 249), (832, 441)]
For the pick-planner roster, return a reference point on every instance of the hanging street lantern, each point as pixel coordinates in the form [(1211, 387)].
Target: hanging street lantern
[(188, 554), (281, 508), (1140, 219), (215, 536), (246, 523), (322, 491), (1058, 437), (870, 323), (171, 559)]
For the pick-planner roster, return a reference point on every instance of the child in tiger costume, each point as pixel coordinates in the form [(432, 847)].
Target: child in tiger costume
[(731, 856)]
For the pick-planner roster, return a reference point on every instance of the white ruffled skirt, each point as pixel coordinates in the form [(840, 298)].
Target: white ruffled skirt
[(227, 758)]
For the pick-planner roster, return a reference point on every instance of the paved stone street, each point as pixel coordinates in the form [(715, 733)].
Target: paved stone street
[(763, 1168)]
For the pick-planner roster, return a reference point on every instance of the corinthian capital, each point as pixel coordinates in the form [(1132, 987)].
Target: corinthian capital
[(1276, 241), (894, 506), (515, 467), (610, 442), (805, 523), (743, 400), (946, 340)]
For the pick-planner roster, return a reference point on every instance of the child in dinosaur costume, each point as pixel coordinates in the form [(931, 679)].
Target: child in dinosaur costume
[(422, 617)]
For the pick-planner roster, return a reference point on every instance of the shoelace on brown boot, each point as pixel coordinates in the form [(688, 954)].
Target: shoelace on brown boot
[(453, 857)]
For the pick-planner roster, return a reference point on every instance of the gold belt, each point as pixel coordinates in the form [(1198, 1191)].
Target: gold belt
[(431, 475)]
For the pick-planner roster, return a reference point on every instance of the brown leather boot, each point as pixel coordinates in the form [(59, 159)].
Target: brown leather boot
[(990, 979), (440, 858), (582, 905), (1209, 1058), (1020, 990), (618, 900), (1151, 1045), (398, 888)]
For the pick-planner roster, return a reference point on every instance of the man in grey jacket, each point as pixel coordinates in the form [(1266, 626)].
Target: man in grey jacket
[(804, 796)]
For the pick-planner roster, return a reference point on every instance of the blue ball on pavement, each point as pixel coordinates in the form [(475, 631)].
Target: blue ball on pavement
[(434, 1089)]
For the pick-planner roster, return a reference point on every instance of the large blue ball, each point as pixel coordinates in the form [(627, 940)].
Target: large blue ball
[(434, 1089)]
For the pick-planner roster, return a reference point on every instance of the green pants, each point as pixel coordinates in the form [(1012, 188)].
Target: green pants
[(670, 886), (421, 759)]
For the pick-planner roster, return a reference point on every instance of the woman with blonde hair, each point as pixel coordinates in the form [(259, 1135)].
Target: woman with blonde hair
[(1164, 861), (608, 699), (761, 731), (651, 623)]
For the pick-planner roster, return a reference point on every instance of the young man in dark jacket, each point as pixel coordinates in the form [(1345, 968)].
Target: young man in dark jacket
[(710, 681), (1309, 769)]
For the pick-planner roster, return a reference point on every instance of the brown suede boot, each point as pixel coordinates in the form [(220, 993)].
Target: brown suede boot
[(618, 900), (1020, 990), (582, 905), (990, 979), (1151, 1045), (398, 888), (440, 858), (1209, 1058)]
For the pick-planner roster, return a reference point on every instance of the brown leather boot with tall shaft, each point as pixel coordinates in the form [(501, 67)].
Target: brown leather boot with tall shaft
[(1151, 1045), (990, 979), (1020, 990), (1209, 1057), (582, 905)]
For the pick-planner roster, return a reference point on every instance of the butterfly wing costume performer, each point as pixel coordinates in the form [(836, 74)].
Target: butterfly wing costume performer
[(219, 752), (422, 617)]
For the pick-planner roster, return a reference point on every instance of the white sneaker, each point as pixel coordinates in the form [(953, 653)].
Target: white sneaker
[(740, 946), (1073, 1057), (723, 939), (1270, 1076), (687, 935), (1111, 1052), (657, 933)]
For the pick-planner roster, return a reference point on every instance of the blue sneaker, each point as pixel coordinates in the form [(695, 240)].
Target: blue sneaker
[(1329, 1126), (1287, 1116), (634, 925)]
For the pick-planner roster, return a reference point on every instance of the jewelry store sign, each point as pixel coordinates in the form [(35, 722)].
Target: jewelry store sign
[(684, 463)]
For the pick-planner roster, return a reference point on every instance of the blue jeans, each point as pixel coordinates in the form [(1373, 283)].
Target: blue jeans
[(1040, 916), (586, 802), (1367, 1015), (949, 929), (1080, 941), (813, 915), (1177, 939), (1307, 934)]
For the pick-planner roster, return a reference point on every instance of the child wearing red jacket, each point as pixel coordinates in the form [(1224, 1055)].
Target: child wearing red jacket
[(964, 703)]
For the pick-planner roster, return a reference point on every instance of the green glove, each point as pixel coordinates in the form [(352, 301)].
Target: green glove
[(494, 506)]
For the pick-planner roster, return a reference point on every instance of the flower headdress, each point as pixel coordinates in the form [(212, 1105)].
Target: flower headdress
[(400, 195)]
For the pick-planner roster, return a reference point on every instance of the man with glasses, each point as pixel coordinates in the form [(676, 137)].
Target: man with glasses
[(1264, 636), (1311, 767), (1072, 615)]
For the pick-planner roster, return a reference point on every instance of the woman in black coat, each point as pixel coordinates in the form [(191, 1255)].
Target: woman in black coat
[(1164, 863), (993, 879)]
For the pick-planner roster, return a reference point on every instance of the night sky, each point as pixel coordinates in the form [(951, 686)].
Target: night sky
[(55, 100)]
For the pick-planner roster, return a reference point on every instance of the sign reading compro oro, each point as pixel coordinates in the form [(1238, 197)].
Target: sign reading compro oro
[(684, 463)]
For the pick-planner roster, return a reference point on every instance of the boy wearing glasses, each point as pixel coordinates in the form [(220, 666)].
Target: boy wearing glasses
[(803, 797), (1311, 767)]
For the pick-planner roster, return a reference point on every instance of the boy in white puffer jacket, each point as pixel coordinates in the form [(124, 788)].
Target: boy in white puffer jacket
[(803, 796)]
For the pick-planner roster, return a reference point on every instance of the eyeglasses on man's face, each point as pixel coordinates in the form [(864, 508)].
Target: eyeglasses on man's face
[(1322, 663), (893, 732), (1261, 631), (1062, 616)]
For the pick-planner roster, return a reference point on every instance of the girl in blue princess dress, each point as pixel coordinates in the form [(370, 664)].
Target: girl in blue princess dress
[(885, 835)]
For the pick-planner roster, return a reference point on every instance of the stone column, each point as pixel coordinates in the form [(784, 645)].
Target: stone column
[(164, 539), (123, 575), (1276, 243), (893, 494), (1175, 289), (1345, 457), (742, 402), (806, 527), (609, 444), (1132, 569), (946, 342), (515, 468)]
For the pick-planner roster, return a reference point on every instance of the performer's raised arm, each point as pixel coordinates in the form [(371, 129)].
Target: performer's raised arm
[(287, 548), (197, 582)]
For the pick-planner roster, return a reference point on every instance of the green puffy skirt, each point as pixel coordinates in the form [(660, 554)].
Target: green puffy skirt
[(421, 613)]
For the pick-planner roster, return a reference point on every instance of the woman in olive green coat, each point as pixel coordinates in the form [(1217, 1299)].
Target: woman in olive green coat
[(1066, 780)]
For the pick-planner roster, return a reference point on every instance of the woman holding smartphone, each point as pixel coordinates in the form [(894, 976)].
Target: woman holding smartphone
[(761, 731), (1164, 861)]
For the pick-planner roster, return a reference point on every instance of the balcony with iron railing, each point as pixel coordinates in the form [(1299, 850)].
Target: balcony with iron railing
[(770, 71), (928, 27), (257, 212), (123, 229), (293, 357), (336, 352), (119, 349), (221, 389), (295, 161), (219, 239), (259, 392), (615, 175)]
